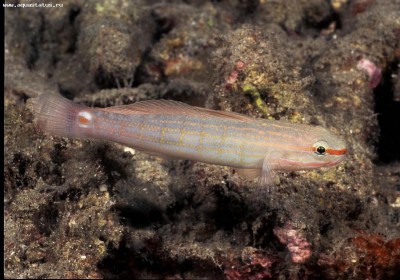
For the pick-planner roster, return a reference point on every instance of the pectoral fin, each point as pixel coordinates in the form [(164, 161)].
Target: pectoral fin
[(267, 174)]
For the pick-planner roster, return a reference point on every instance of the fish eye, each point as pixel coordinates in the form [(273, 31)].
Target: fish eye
[(320, 148)]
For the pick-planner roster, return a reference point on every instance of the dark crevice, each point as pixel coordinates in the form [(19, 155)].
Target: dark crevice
[(325, 22), (264, 235), (164, 25), (141, 215), (146, 260), (46, 219), (231, 209), (388, 111), (35, 44), (73, 14)]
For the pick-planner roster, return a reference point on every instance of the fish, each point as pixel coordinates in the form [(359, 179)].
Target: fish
[(255, 147)]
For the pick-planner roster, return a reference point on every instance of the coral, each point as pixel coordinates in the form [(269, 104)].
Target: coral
[(376, 257), (373, 71), (255, 264), (366, 256), (298, 246)]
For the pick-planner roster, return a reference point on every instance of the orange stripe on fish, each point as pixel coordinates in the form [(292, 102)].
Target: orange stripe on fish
[(336, 152)]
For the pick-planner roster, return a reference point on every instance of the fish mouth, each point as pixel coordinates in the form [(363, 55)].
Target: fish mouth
[(334, 162), (338, 160)]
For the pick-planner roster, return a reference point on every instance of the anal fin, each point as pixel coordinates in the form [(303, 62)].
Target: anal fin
[(249, 173)]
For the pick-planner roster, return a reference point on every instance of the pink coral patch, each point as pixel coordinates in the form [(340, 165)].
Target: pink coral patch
[(298, 246), (373, 71)]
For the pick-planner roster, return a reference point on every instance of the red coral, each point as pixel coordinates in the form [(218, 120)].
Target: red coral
[(369, 256), (376, 252), (254, 265), (360, 6)]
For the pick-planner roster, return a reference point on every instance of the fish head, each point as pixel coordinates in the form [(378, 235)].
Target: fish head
[(316, 147)]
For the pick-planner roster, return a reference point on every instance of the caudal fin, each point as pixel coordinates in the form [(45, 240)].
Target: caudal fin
[(54, 114)]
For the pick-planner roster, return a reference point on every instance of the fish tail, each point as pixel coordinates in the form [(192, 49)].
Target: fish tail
[(55, 115)]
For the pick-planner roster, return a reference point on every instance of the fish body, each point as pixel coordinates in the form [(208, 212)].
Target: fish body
[(173, 129)]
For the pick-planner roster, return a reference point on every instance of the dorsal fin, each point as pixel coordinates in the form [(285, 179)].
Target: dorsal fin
[(226, 114), (169, 107), (152, 107)]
